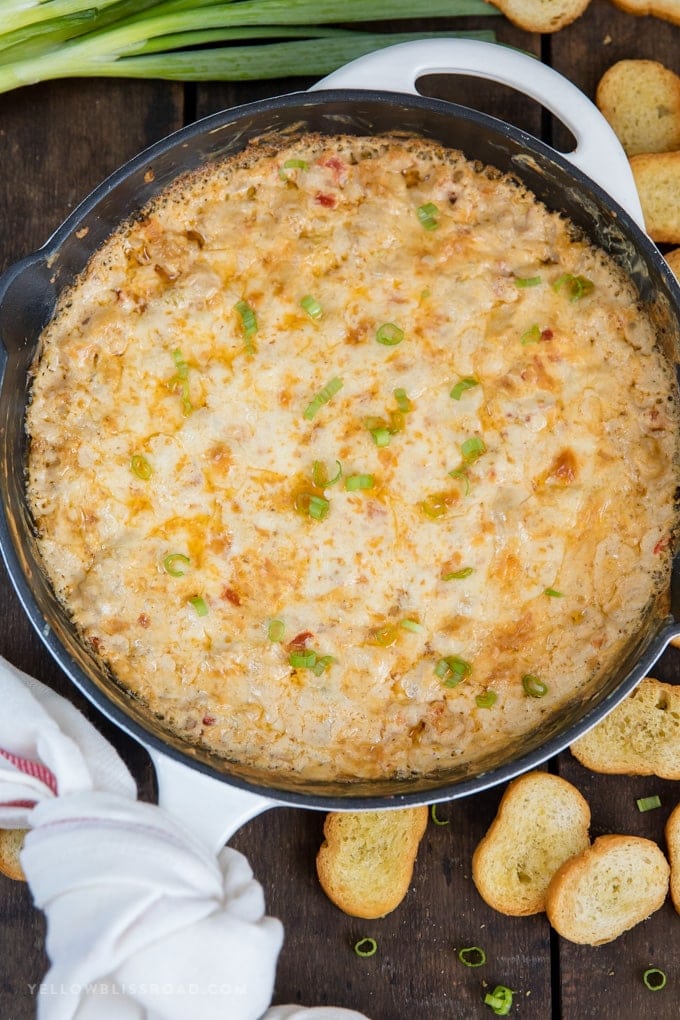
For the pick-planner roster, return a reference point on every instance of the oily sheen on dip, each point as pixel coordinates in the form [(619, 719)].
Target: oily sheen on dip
[(352, 460)]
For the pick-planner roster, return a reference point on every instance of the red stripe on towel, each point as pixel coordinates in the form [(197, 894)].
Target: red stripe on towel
[(32, 768)]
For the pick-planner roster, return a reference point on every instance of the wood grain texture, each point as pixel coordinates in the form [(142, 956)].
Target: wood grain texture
[(56, 142)]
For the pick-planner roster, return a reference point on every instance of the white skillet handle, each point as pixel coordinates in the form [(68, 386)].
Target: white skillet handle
[(211, 809), (598, 152)]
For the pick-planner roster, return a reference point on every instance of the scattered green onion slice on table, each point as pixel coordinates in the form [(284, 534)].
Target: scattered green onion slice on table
[(389, 334), (472, 956), (648, 803), (533, 686), (500, 1000), (140, 466), (200, 605), (171, 564), (435, 818), (366, 947), (654, 979)]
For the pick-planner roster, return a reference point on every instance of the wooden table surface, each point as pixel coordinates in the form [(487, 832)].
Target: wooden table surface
[(57, 141)]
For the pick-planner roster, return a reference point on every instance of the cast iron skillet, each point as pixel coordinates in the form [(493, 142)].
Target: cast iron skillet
[(28, 293)]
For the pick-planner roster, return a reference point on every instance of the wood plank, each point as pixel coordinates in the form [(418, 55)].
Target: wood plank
[(415, 971)]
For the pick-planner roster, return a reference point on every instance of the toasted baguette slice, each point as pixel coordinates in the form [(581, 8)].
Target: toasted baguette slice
[(542, 821), (673, 260), (365, 863), (673, 846), (609, 888), (669, 10), (640, 737), (541, 15), (11, 842), (657, 178), (641, 101)]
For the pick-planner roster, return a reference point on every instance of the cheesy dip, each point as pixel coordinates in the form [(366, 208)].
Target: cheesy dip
[(352, 460)]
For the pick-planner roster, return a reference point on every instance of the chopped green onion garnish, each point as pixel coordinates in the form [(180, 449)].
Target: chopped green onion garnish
[(427, 215), (553, 593), (472, 449), (366, 947), (411, 625), (534, 687), (436, 505), (486, 700), (577, 286), (462, 385), (320, 474), (318, 507), (248, 318), (355, 482), (200, 605), (302, 660), (458, 575), (322, 663), (461, 475), (435, 819), (322, 397), (180, 381), (403, 402), (312, 307), (296, 164), (527, 281), (500, 1000), (308, 503), (397, 421), (180, 363), (140, 466), (389, 334), (648, 803), (170, 564), (451, 670), (381, 437), (276, 630), (472, 956), (309, 659), (385, 636), (532, 336), (654, 979)]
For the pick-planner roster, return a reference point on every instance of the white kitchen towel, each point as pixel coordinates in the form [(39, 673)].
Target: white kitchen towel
[(144, 922), (48, 749)]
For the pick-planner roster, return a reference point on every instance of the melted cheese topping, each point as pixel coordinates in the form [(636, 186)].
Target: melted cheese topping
[(182, 473)]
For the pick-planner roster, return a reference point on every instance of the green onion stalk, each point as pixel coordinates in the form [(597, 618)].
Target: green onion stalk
[(202, 40)]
